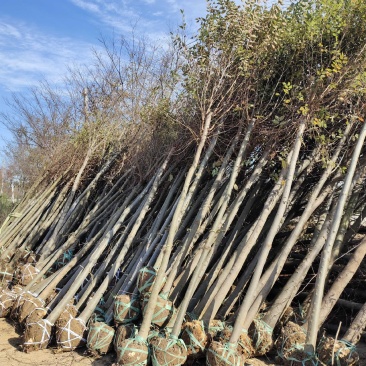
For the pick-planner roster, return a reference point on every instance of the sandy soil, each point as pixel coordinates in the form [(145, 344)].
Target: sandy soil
[(10, 355)]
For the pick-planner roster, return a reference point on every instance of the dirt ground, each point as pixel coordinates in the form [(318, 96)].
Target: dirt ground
[(10, 354)]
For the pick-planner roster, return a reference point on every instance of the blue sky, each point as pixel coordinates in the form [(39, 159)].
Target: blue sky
[(39, 39)]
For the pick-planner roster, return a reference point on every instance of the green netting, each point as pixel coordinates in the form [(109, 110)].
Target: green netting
[(146, 279), (164, 309), (225, 333), (168, 352), (197, 340), (152, 334), (245, 344), (261, 334), (216, 326), (353, 355), (100, 337), (133, 352), (344, 352), (126, 311), (294, 352), (222, 354), (124, 332)]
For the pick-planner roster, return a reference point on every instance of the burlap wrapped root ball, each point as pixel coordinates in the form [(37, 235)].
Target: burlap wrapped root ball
[(261, 335), (133, 351), (123, 332), (126, 309), (100, 338), (72, 335), (28, 305), (163, 311), (25, 274), (195, 338), (226, 354), (344, 352), (168, 351), (37, 335), (290, 346)]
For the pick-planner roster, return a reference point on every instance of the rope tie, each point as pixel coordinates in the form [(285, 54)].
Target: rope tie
[(70, 333), (229, 352), (94, 336), (126, 348), (150, 280), (45, 334), (172, 341)]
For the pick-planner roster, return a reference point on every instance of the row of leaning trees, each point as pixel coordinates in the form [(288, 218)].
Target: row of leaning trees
[(202, 202)]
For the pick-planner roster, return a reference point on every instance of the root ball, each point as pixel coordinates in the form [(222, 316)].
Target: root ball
[(29, 304), (245, 345), (37, 335), (123, 332), (36, 315), (6, 272), (100, 338), (195, 338), (18, 303), (25, 274), (215, 327), (344, 353), (70, 312), (168, 352), (126, 310), (71, 335), (261, 334), (133, 351), (290, 346), (219, 354), (7, 300), (146, 279), (224, 335), (163, 311)]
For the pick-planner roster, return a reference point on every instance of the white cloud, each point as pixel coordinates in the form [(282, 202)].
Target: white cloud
[(8, 30), (151, 17), (28, 55)]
